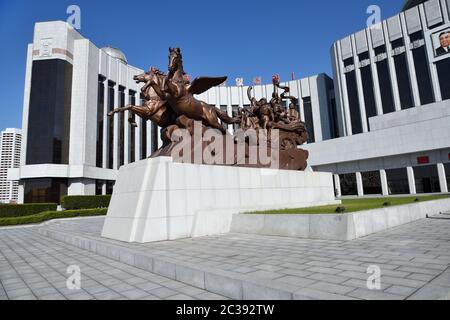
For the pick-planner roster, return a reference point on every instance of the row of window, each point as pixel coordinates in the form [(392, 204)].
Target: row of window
[(423, 78), (426, 181), (121, 126)]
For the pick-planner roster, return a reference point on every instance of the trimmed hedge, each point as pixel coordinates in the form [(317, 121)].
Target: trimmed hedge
[(49, 215), (21, 210), (85, 202)]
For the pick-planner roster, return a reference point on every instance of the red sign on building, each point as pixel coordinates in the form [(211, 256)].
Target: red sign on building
[(423, 160)]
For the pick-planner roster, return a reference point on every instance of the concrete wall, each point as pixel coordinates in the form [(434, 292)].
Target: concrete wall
[(336, 226)]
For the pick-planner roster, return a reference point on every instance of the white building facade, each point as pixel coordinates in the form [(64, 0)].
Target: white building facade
[(392, 99), (382, 125), (70, 145), (10, 143)]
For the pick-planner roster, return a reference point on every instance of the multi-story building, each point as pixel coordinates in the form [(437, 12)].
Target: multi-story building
[(381, 125), (70, 145), (392, 93), (10, 142)]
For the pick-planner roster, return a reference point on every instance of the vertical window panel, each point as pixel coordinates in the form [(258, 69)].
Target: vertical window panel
[(100, 116), (309, 120)]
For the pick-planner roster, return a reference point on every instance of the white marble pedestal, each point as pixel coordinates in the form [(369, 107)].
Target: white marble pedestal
[(158, 199)]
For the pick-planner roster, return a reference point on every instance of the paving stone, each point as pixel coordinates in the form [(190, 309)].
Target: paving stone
[(432, 272), (210, 296), (264, 274), (367, 294), (324, 270), (312, 294), (358, 283), (80, 296), (134, 294), (52, 297), (269, 268), (45, 291), (431, 292), (327, 278), (180, 297), (163, 292), (331, 287), (296, 281), (403, 281), (18, 292), (420, 276), (400, 290), (107, 295), (24, 297), (295, 272), (150, 297), (244, 270)]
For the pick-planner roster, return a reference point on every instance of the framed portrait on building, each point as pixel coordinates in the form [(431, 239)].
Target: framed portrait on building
[(438, 43)]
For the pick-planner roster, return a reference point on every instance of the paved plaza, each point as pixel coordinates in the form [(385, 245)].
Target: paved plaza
[(414, 261), (34, 267)]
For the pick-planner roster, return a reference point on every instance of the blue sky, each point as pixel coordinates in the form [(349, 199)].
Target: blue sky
[(228, 37)]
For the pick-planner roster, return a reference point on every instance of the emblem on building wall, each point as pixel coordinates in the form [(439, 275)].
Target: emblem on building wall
[(46, 47)]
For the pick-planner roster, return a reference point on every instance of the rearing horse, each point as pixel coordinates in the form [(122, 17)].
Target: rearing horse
[(154, 108), (180, 94)]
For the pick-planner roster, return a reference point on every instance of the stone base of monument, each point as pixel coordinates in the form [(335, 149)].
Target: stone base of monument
[(158, 199)]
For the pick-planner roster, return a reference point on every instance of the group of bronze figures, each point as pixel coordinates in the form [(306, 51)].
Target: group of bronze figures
[(170, 104)]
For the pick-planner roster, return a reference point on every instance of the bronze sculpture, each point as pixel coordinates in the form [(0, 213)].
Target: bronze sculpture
[(170, 103)]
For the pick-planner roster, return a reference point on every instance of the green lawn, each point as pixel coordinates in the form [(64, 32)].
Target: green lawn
[(354, 205)]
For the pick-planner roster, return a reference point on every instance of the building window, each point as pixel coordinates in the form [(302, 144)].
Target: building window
[(384, 79), (121, 127), (443, 70), (309, 120), (426, 179), (348, 184), (371, 182), (447, 173), (99, 187), (45, 190), (334, 119), (100, 116), (143, 139), (235, 113), (110, 187), (154, 135), (110, 125), (369, 96), (353, 101), (223, 108), (143, 132), (397, 180), (401, 68), (422, 70), (132, 129), (49, 112)]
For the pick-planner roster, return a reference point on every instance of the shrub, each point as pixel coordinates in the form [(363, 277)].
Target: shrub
[(20, 210), (386, 204), (85, 202), (416, 200), (49, 215), (340, 209)]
